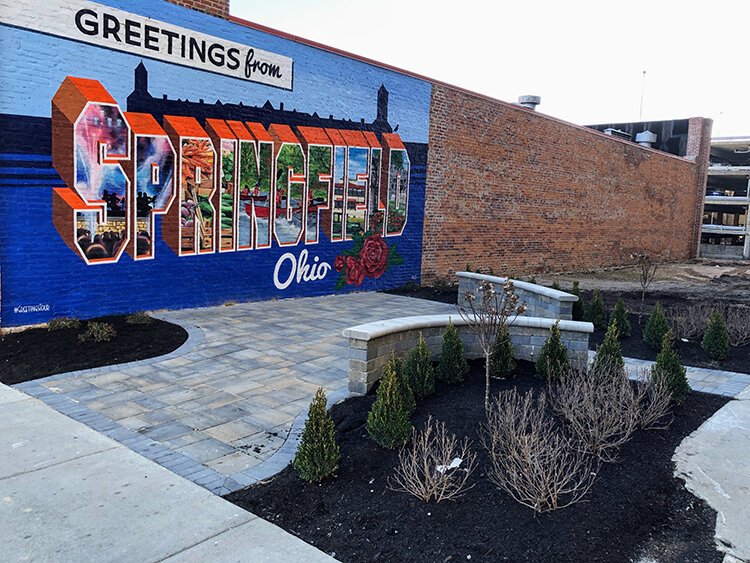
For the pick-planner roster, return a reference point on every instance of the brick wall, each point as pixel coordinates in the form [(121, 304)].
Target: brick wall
[(699, 149), (214, 7), (502, 187), (520, 192)]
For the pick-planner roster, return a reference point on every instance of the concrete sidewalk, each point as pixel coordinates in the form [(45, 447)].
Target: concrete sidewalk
[(714, 461), (69, 493)]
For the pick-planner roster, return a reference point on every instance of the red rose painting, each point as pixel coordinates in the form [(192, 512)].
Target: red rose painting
[(369, 257), (355, 273), (374, 256), (339, 264)]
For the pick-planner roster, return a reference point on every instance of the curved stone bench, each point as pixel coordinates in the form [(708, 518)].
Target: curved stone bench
[(371, 344), (540, 301)]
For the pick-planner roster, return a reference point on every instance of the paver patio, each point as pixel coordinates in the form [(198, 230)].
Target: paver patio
[(218, 411), (224, 403)]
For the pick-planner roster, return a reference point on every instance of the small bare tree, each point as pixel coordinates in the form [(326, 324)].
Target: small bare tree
[(436, 466), (531, 457), (600, 406), (647, 271), (488, 311)]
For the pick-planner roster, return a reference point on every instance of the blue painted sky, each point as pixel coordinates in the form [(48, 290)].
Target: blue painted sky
[(323, 82)]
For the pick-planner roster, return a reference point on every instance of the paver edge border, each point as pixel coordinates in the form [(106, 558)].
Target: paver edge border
[(176, 462), (282, 457)]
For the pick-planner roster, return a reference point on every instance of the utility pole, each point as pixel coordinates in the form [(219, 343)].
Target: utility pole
[(643, 89)]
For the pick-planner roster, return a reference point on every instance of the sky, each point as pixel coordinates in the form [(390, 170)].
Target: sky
[(586, 59)]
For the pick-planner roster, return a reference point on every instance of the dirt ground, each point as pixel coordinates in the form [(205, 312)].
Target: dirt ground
[(703, 279)]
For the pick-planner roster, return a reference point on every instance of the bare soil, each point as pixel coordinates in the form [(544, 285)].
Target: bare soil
[(698, 280)]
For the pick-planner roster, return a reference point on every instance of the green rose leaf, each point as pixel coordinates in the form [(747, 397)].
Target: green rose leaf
[(341, 282)]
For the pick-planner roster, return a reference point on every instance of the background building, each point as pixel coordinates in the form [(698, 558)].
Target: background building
[(726, 226)]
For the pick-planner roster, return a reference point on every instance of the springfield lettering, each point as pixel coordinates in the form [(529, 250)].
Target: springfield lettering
[(94, 23), (221, 185)]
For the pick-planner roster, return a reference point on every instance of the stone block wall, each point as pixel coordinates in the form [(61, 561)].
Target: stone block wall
[(540, 301), (371, 345)]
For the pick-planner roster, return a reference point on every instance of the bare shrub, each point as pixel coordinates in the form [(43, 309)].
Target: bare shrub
[(531, 457), (142, 318), (98, 332), (61, 323), (737, 318), (429, 470), (655, 402), (600, 407), (442, 285), (689, 322)]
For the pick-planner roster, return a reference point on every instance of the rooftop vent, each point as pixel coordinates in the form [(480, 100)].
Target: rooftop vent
[(529, 101), (612, 132), (646, 138)]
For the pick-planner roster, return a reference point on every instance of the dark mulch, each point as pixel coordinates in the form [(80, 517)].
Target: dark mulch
[(635, 507), (38, 352), (443, 295), (691, 353)]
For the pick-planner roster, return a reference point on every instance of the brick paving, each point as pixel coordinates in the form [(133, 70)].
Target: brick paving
[(218, 411), (717, 382), (227, 408)]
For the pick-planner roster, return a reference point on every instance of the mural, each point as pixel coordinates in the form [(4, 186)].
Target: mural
[(152, 169), (290, 204), (93, 137), (226, 201)]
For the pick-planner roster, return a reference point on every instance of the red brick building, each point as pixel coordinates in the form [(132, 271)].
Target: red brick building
[(521, 192), (164, 154)]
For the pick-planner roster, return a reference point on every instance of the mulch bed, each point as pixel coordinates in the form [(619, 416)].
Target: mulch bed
[(636, 507), (691, 353), (38, 352), (443, 295)]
